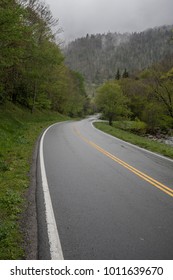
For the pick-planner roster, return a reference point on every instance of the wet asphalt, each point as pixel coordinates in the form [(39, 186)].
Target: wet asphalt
[(103, 210)]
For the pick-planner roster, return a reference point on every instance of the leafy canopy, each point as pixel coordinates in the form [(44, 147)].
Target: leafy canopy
[(111, 101)]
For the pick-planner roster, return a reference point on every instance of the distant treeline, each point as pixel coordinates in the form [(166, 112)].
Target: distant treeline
[(32, 69), (99, 57)]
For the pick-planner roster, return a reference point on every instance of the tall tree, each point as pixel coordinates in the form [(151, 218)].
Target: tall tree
[(32, 70), (111, 101), (161, 87), (13, 39), (118, 76)]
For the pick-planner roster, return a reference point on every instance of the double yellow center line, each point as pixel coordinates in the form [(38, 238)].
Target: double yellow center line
[(140, 174)]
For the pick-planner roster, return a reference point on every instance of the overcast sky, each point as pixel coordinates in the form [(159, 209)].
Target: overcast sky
[(79, 17)]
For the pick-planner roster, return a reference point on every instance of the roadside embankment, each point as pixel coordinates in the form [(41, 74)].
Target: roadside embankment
[(141, 141), (19, 130)]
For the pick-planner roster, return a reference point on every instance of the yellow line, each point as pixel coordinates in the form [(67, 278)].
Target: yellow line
[(142, 175)]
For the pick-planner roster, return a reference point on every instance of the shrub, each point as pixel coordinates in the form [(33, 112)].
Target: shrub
[(137, 127)]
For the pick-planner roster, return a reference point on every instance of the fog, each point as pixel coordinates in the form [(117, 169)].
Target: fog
[(79, 17)]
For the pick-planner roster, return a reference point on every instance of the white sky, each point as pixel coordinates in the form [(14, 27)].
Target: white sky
[(79, 17)]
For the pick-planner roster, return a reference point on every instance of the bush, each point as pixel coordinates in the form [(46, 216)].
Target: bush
[(136, 127), (156, 119)]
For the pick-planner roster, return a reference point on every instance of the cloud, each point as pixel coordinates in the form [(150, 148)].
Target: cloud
[(79, 17)]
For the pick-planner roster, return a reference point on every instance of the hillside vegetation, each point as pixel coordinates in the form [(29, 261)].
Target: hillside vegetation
[(36, 88), (18, 133), (99, 57), (32, 69), (128, 77), (126, 131), (147, 97)]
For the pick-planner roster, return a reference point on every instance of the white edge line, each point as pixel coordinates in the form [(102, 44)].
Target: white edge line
[(53, 236), (130, 144)]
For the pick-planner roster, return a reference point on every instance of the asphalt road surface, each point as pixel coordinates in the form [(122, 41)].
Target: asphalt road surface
[(110, 199)]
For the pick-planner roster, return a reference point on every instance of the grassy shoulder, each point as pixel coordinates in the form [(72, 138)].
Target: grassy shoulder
[(140, 141), (18, 133)]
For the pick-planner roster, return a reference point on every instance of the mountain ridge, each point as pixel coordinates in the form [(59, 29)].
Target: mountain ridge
[(98, 57)]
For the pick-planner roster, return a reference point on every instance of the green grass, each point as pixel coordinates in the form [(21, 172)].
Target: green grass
[(136, 127), (18, 133), (140, 141)]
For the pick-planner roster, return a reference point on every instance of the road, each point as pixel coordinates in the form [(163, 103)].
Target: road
[(110, 199)]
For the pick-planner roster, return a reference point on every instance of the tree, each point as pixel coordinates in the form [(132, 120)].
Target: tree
[(118, 76), (125, 74), (28, 52), (67, 92), (111, 101), (12, 41), (164, 91), (161, 87), (137, 94), (32, 70)]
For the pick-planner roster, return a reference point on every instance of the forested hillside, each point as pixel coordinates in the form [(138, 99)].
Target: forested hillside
[(32, 69), (99, 57)]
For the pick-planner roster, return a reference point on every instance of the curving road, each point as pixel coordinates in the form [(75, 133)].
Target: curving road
[(110, 199)]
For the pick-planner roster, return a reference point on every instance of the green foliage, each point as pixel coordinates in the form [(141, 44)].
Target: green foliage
[(67, 93), (10, 239), (147, 98), (140, 141), (159, 107), (111, 101), (12, 32), (3, 165), (152, 115), (151, 97), (136, 127), (137, 93), (30, 60), (18, 133), (11, 203)]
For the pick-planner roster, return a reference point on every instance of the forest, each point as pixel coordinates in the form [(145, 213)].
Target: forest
[(146, 98), (32, 69), (98, 57), (126, 77), (129, 76), (36, 73)]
